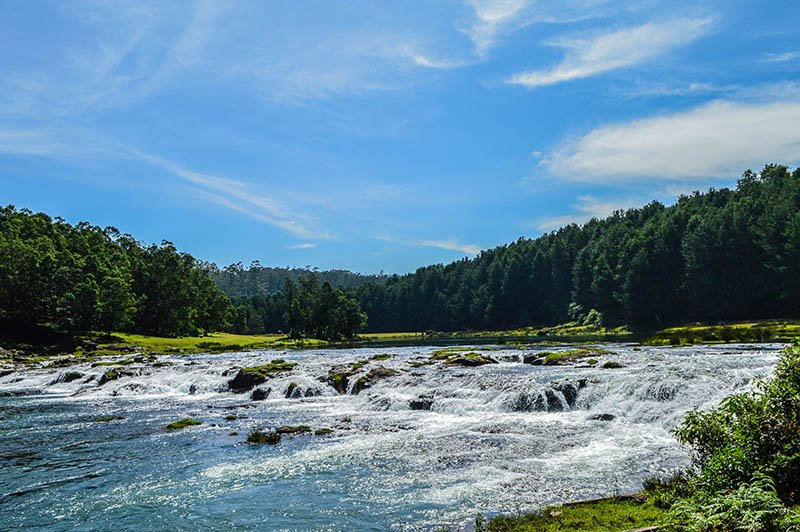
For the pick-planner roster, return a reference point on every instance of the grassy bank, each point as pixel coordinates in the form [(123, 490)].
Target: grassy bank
[(604, 515), (741, 332), (95, 345)]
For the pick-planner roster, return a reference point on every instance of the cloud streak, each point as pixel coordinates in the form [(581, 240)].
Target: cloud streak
[(586, 208), (447, 244), (590, 56), (714, 140)]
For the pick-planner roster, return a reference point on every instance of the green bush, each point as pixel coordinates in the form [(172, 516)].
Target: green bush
[(752, 432)]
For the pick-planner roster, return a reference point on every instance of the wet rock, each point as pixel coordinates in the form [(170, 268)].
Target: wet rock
[(69, 376), (192, 389), (527, 402), (603, 417), (554, 403), (293, 429), (531, 358), (423, 402), (116, 373), (568, 390), (248, 378), (470, 360), (259, 394), (611, 364), (6, 372), (339, 378), (374, 375), (290, 390)]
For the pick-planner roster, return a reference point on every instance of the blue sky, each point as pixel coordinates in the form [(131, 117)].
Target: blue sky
[(384, 135)]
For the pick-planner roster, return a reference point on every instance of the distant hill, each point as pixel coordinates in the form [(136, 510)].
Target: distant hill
[(238, 281)]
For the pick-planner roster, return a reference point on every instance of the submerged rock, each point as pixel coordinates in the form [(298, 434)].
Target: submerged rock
[(423, 402), (248, 378), (603, 417)]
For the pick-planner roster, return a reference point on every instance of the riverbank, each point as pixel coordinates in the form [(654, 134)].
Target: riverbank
[(640, 512), (94, 346)]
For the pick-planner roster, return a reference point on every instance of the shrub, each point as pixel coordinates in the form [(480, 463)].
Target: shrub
[(752, 507), (752, 432)]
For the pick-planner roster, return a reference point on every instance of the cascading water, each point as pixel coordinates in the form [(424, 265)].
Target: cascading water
[(427, 446)]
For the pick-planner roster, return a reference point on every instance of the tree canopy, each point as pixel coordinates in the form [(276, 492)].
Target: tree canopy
[(80, 277)]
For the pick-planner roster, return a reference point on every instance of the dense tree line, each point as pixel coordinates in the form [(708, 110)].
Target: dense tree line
[(80, 277), (257, 280), (714, 256), (303, 308)]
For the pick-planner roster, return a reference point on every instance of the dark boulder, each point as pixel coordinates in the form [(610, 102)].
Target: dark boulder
[(423, 402), (259, 394), (603, 417)]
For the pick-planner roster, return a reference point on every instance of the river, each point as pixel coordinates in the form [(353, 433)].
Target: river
[(498, 438)]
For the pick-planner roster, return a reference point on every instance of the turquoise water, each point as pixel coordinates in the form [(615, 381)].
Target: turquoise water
[(500, 438)]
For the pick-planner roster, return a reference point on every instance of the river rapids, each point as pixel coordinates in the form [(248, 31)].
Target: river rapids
[(428, 447)]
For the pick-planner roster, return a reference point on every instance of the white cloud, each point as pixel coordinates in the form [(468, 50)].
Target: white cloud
[(447, 244), (782, 57), (304, 245), (617, 49), (240, 196), (718, 139), (491, 18), (588, 207), (451, 245)]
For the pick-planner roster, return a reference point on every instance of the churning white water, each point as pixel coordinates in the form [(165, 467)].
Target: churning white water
[(431, 445)]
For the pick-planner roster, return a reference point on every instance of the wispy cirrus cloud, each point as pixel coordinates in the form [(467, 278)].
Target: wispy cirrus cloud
[(590, 56), (781, 57), (78, 145), (304, 245), (446, 244), (715, 140), (241, 197), (585, 209)]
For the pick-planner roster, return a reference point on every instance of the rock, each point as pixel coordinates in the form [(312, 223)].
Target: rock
[(423, 402), (259, 394), (568, 390), (339, 378), (611, 364), (70, 376), (193, 389), (554, 403), (531, 358), (470, 360), (293, 429), (374, 375), (290, 389), (322, 432), (248, 378), (116, 373), (603, 417)]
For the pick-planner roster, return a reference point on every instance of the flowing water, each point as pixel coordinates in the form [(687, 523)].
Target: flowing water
[(498, 438)]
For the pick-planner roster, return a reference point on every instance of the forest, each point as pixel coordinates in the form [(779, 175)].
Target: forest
[(721, 255), (77, 278)]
